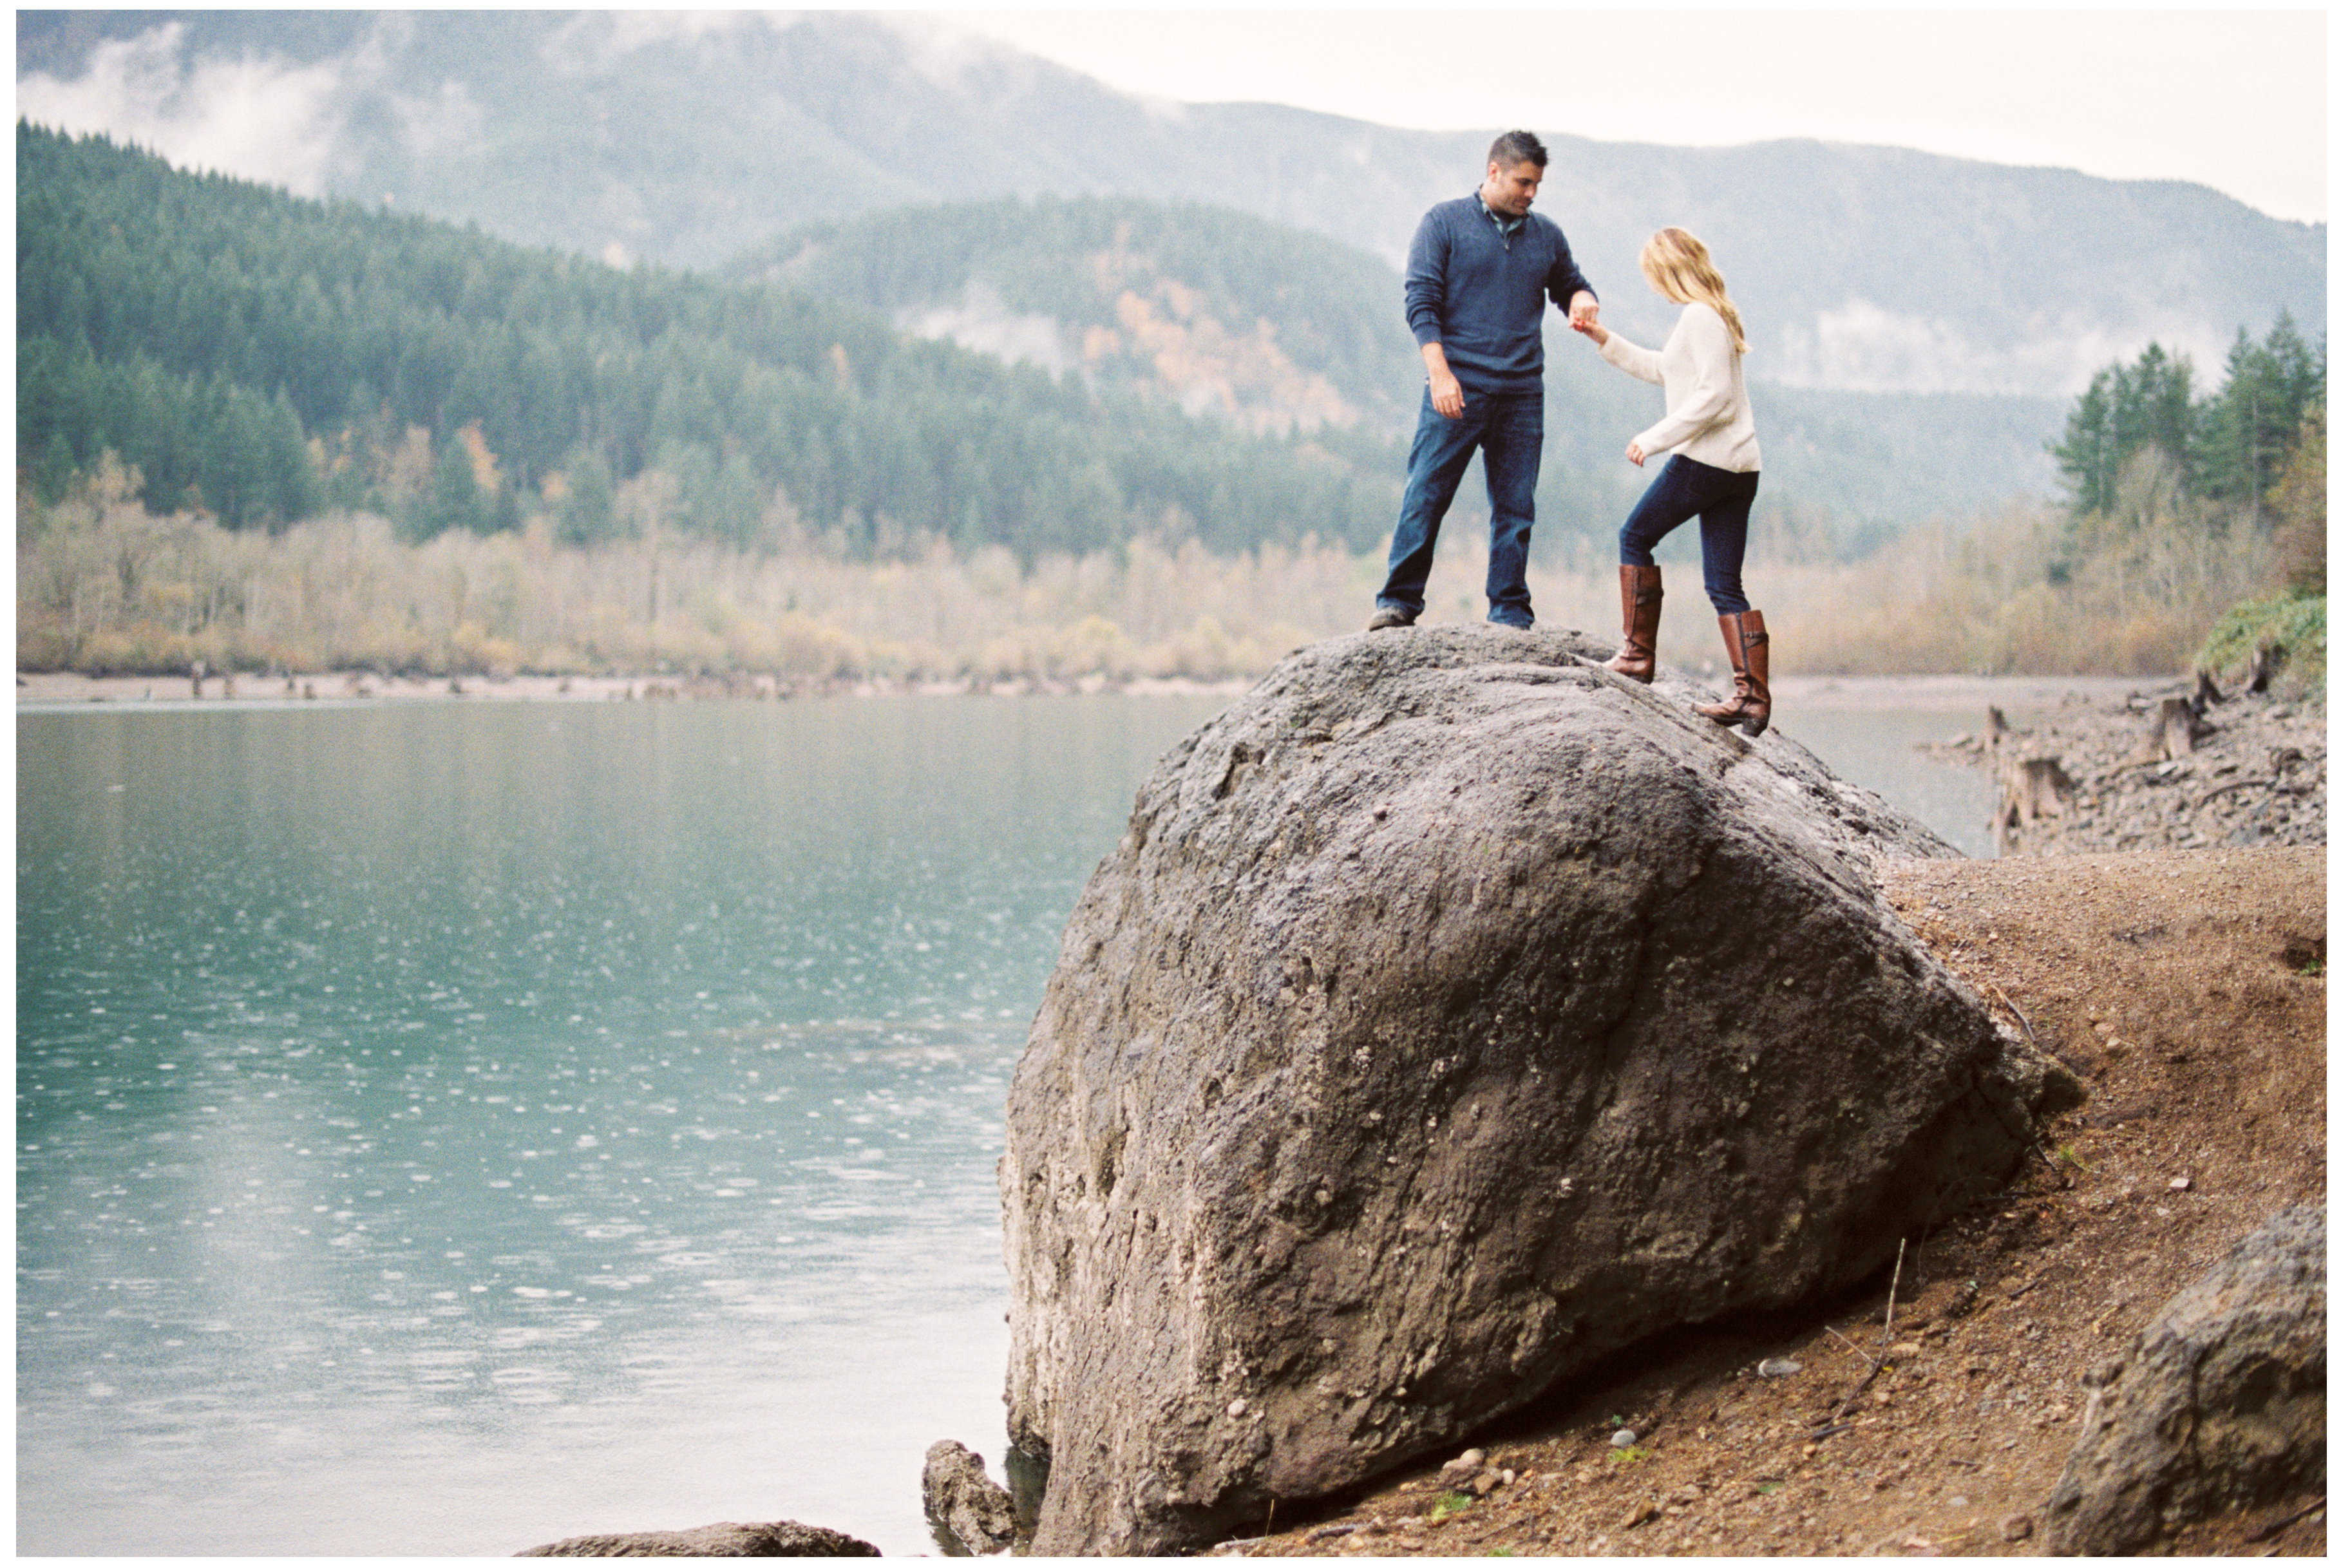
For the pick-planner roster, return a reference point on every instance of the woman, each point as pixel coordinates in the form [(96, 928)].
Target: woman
[(1711, 476)]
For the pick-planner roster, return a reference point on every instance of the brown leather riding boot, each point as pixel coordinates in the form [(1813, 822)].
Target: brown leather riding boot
[(1640, 595), (1748, 647)]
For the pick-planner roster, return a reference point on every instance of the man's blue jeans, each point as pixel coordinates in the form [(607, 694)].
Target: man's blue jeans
[(1506, 428)]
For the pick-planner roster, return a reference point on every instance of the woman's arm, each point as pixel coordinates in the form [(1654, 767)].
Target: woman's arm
[(1631, 357), (1709, 397)]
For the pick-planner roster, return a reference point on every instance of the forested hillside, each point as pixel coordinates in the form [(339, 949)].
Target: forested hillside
[(1204, 306), (258, 356)]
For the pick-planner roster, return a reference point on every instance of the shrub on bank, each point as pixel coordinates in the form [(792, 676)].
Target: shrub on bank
[(2290, 629)]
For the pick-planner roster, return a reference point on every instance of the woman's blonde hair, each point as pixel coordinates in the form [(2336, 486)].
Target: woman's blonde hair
[(1678, 265)]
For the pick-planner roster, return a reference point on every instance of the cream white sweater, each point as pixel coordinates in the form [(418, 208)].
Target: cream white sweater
[(1708, 417)]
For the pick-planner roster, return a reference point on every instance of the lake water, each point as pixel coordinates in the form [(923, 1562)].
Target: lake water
[(447, 1128)]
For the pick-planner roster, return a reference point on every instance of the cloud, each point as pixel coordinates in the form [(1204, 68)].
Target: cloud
[(264, 119), (983, 322), (1863, 347), (594, 42)]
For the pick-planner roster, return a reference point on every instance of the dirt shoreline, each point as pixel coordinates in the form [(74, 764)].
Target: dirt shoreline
[(2089, 777), (2188, 989), (1962, 695), (67, 690)]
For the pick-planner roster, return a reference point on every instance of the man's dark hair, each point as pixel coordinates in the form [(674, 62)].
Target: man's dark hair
[(1514, 148)]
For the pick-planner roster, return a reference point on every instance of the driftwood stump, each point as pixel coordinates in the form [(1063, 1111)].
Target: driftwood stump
[(2030, 788), (1995, 729), (2207, 692), (2175, 729), (2266, 660)]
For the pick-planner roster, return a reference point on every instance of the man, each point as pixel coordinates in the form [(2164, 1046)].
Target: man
[(1477, 279)]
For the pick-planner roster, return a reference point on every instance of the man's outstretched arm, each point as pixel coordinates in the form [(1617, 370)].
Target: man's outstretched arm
[(1569, 288)]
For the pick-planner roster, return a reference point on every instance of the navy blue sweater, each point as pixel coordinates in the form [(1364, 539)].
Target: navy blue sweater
[(1480, 294)]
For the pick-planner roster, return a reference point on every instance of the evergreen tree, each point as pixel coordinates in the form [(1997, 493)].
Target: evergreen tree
[(454, 499), (2228, 447), (2255, 420)]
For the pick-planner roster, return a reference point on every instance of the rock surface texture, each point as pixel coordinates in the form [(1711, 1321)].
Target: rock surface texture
[(781, 1538), (971, 1514), (2220, 1404), (1453, 1013)]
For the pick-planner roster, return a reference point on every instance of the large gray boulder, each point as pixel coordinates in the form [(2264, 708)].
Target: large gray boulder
[(2217, 1405), (1453, 1014)]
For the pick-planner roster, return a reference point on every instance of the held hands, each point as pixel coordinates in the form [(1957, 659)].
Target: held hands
[(1585, 316)]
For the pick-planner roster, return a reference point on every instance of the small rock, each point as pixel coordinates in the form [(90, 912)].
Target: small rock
[(781, 1538), (1778, 1367), (2015, 1527), (1237, 1407), (965, 1507), (1903, 1351), (2180, 1184), (1460, 1469), (1622, 1438), (1642, 1513)]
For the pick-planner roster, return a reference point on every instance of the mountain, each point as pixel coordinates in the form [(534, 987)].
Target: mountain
[(690, 137)]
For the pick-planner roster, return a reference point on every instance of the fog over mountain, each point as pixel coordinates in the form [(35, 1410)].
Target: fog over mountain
[(688, 139)]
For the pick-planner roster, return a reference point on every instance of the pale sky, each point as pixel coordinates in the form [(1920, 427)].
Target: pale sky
[(2230, 99)]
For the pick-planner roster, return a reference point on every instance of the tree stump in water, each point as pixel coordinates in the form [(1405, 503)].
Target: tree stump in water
[(1995, 729)]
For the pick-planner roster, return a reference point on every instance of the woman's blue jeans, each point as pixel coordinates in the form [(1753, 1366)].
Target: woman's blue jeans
[(1506, 428), (1720, 499)]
